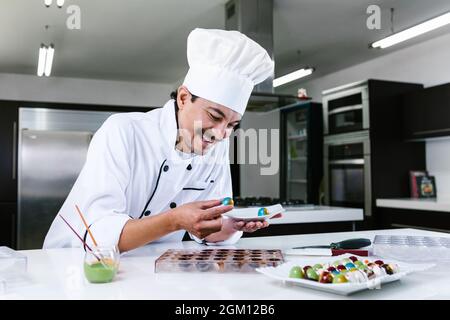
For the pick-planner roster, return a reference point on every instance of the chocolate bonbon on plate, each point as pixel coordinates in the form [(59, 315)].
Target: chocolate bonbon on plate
[(263, 212), (348, 270)]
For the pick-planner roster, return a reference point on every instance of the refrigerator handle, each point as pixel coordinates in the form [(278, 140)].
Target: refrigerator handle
[(14, 228), (14, 153)]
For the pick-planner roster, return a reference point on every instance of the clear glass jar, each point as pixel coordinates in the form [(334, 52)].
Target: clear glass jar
[(101, 264)]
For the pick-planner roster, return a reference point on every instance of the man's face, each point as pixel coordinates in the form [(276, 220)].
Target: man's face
[(203, 123)]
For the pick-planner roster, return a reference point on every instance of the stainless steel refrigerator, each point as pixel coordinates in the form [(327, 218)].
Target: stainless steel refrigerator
[(51, 152)]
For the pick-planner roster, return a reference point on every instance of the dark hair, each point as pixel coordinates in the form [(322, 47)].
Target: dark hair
[(174, 96)]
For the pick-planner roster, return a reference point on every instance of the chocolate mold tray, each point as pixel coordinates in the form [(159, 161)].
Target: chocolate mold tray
[(217, 260)]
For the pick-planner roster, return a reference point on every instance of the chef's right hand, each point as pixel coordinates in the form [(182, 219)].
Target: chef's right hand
[(200, 218)]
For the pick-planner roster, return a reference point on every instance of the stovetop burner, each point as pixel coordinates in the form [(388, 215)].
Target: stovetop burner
[(265, 201)]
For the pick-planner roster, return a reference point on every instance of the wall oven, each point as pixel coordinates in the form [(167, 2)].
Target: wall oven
[(346, 109), (347, 172)]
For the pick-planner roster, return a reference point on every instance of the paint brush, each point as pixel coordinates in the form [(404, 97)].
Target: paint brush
[(86, 225), (78, 236)]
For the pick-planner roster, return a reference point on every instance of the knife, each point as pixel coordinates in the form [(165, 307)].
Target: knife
[(342, 245)]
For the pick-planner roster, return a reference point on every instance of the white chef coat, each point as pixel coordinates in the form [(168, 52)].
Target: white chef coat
[(133, 170)]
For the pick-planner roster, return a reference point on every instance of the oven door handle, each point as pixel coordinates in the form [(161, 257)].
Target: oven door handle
[(347, 161), (345, 109)]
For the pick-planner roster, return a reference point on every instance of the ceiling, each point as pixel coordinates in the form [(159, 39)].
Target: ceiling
[(142, 40), (332, 34), (130, 40)]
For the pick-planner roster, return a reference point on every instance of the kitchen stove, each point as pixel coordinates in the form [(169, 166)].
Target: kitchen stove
[(267, 201)]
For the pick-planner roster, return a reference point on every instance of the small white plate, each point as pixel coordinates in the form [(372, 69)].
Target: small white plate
[(251, 214), (281, 272)]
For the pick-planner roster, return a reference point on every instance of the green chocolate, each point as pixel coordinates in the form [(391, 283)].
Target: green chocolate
[(312, 274), (337, 263), (296, 272), (317, 266), (362, 267)]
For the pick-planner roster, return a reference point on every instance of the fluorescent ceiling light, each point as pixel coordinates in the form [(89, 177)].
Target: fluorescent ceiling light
[(41, 62), (49, 60), (48, 3), (45, 60), (412, 32), (292, 76)]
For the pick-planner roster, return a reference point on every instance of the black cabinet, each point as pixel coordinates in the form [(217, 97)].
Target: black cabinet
[(426, 113), (365, 154), (301, 228), (8, 151), (418, 219), (8, 172), (8, 218)]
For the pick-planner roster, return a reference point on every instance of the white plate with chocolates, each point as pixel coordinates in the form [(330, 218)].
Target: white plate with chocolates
[(343, 275)]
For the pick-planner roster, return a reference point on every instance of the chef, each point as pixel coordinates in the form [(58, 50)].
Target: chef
[(150, 177)]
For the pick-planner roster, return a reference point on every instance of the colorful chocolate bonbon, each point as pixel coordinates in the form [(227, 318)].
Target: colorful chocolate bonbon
[(263, 212), (311, 274), (326, 277), (297, 272), (348, 270), (227, 201)]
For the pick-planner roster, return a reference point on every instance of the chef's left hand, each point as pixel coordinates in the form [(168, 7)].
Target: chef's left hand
[(250, 226)]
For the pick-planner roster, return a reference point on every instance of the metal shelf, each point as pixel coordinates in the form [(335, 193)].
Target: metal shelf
[(298, 137), (298, 181), (300, 159)]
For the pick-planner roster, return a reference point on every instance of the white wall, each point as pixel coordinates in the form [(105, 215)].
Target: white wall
[(438, 164), (427, 63), (252, 182), (89, 91)]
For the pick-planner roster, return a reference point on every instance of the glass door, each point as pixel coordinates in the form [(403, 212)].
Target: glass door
[(297, 155), (347, 185)]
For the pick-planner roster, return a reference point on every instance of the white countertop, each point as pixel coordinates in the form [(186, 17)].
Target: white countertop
[(442, 205), (314, 214), (58, 274)]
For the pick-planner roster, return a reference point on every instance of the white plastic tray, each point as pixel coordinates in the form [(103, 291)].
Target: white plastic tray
[(420, 249)]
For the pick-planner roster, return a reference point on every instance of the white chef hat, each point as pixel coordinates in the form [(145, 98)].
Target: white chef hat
[(224, 66)]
